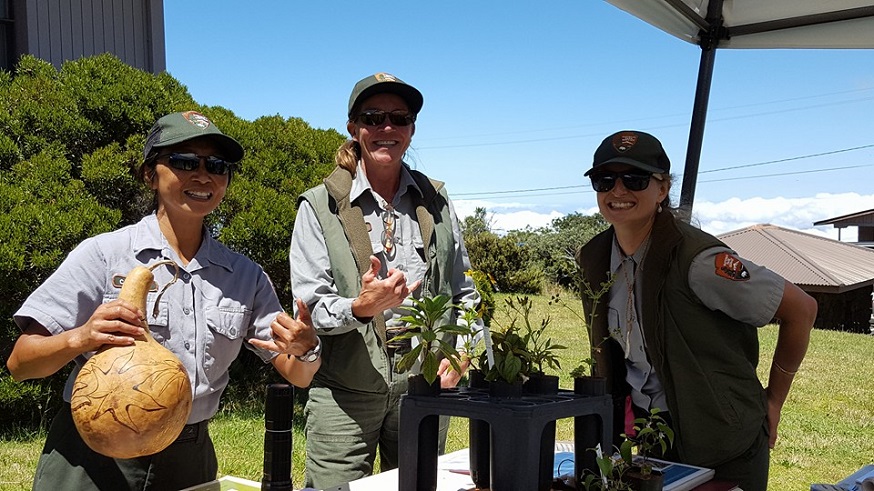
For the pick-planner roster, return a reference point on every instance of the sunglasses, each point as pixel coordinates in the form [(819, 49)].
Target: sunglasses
[(190, 162), (633, 181), (376, 117)]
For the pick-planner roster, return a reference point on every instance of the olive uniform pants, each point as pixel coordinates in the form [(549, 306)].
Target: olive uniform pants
[(68, 463)]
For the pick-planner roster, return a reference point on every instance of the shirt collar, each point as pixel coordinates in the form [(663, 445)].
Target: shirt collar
[(360, 183), (148, 236)]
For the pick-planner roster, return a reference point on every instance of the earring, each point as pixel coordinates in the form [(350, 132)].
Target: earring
[(660, 208)]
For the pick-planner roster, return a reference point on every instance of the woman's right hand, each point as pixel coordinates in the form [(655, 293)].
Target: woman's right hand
[(115, 323), (377, 294), (37, 353)]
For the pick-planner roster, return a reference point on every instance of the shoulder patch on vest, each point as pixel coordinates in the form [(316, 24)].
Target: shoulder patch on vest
[(730, 267)]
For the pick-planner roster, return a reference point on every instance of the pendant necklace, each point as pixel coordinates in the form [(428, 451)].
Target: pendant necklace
[(631, 307)]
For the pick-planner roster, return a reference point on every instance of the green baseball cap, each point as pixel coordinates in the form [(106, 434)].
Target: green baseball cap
[(380, 83), (635, 148), (176, 128)]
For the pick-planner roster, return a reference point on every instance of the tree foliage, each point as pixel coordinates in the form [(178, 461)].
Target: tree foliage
[(69, 139)]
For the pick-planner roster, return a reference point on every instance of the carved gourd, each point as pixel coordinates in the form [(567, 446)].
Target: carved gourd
[(131, 401)]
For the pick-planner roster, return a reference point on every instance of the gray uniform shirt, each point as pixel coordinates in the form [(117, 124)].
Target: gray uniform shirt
[(220, 300), (311, 267), (721, 281)]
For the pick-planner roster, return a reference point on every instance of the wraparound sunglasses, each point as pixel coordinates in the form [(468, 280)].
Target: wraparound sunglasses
[(377, 117), (603, 182), (191, 161)]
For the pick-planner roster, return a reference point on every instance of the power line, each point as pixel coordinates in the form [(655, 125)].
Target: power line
[(602, 124), (586, 188)]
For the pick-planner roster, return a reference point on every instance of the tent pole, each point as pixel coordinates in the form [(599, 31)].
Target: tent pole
[(696, 133), (709, 40)]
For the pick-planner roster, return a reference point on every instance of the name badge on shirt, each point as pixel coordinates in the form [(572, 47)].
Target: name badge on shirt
[(118, 281)]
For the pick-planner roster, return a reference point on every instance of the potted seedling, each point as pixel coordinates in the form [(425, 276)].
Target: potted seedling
[(428, 322), (652, 435), (611, 474), (511, 362), (541, 351)]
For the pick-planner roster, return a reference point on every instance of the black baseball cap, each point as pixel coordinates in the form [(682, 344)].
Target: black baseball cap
[(635, 148), (176, 128), (380, 83)]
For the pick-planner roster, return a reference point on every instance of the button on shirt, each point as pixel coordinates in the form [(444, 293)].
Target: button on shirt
[(311, 277), (219, 301), (753, 300)]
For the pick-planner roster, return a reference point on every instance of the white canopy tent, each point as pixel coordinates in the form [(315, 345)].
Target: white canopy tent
[(743, 24)]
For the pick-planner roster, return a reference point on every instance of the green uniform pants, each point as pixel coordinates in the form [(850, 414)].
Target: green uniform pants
[(344, 429), (68, 463)]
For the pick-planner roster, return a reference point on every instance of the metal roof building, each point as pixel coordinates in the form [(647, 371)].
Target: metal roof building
[(58, 31), (838, 274)]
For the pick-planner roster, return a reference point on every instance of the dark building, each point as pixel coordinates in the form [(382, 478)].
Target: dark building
[(62, 30)]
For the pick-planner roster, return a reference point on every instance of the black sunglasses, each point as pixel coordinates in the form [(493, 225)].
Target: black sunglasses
[(191, 161), (633, 181), (376, 117)]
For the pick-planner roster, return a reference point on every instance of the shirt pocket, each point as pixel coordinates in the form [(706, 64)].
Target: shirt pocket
[(159, 323), (227, 327)]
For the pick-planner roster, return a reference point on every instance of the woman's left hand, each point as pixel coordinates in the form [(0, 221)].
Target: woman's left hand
[(291, 336)]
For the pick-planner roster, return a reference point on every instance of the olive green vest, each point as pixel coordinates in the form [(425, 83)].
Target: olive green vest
[(357, 360), (705, 360)]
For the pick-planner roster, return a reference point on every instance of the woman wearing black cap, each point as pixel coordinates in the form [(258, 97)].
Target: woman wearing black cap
[(220, 302), (678, 329), (375, 234)]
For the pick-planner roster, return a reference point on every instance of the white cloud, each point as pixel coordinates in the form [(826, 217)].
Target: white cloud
[(713, 217)]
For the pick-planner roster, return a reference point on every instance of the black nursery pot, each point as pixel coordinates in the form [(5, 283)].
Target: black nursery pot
[(418, 386), (539, 383), (590, 386), (654, 482), (505, 390)]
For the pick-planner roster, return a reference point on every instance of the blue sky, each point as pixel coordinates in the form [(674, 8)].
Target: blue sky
[(519, 94)]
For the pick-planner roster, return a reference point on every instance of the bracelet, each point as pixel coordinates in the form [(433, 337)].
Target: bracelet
[(787, 372)]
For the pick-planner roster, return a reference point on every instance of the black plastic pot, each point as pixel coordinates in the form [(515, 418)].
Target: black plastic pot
[(539, 383), (590, 386), (502, 389), (418, 386), (655, 481)]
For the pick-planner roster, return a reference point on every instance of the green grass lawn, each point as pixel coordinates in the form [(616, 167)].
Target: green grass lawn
[(825, 433)]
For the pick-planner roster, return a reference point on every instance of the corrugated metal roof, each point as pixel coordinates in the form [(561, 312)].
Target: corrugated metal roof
[(804, 259)]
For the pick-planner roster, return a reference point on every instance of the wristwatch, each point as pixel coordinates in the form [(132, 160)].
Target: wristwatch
[(313, 354)]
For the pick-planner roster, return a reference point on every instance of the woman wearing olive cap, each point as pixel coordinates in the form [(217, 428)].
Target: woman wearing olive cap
[(677, 331), (358, 254), (221, 301)]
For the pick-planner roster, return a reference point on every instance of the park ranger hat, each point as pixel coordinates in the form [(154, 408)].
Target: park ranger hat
[(381, 83), (635, 148), (176, 128)]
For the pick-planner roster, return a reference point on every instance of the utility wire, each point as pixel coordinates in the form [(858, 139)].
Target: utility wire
[(586, 188)]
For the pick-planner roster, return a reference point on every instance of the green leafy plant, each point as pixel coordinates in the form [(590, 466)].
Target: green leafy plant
[(587, 365), (612, 474), (584, 368), (651, 434), (540, 349), (426, 321), (510, 355)]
